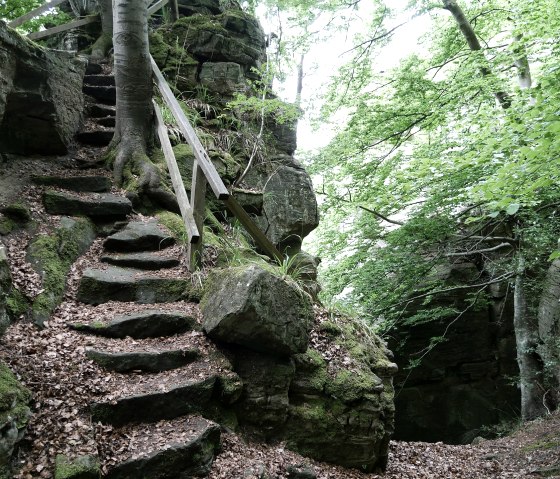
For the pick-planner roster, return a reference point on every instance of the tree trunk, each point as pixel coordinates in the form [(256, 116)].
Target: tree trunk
[(468, 32), (103, 44), (134, 127), (549, 323), (174, 10), (299, 88), (526, 338)]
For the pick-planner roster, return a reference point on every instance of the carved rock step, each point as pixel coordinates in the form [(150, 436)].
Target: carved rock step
[(96, 184), (147, 361), (190, 446), (139, 236), (145, 324), (149, 261), (106, 121), (99, 286), (99, 80), (93, 68), (94, 204), (100, 111), (162, 402), (104, 94), (95, 137)]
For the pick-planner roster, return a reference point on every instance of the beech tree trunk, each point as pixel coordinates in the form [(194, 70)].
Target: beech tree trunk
[(468, 32), (103, 44), (134, 123), (527, 342)]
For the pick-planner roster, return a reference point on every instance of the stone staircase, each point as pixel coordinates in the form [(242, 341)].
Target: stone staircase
[(167, 381)]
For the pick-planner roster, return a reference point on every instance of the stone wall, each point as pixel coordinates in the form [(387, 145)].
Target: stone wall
[(466, 384)]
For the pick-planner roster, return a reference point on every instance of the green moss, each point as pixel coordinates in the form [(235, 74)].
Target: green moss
[(349, 386), (53, 255), (315, 412), (7, 225), (330, 328), (18, 212), (17, 303), (174, 223), (83, 467), (13, 397)]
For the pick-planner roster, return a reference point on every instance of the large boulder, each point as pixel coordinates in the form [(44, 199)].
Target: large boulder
[(290, 207), (41, 99), (251, 307)]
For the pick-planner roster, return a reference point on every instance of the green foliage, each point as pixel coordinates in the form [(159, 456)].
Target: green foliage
[(426, 147), (12, 9)]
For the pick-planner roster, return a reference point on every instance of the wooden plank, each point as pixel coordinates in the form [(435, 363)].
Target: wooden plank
[(262, 241), (157, 6), (178, 185), (202, 157), (198, 199), (174, 8), (63, 28), (34, 13)]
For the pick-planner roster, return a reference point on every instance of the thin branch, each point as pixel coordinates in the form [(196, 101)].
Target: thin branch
[(480, 251), (379, 215)]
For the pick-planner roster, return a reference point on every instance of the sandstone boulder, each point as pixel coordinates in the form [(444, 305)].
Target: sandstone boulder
[(251, 307), (41, 99)]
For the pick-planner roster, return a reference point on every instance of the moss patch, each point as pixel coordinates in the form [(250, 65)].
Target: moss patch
[(52, 255), (83, 467), (13, 398)]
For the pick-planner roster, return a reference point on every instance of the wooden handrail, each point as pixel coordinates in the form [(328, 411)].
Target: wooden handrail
[(63, 28), (156, 6), (178, 185), (186, 128), (33, 13)]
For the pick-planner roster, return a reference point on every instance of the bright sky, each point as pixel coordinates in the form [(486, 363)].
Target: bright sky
[(324, 60)]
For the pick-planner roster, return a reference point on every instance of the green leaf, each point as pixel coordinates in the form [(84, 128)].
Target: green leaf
[(513, 208)]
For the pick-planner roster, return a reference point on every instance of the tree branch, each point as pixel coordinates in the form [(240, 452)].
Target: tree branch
[(480, 251), (379, 215)]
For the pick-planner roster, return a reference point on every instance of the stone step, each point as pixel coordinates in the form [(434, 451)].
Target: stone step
[(114, 283), (106, 121), (190, 444), (144, 324), (148, 261), (146, 361), (99, 80), (100, 111), (94, 204), (93, 68), (163, 401), (96, 184), (139, 236), (104, 94), (96, 137)]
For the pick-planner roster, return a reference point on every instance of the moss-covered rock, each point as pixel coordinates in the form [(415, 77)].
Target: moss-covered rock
[(18, 212), (81, 467), (14, 415), (52, 255)]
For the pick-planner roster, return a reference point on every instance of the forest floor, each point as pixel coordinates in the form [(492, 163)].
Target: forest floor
[(51, 363)]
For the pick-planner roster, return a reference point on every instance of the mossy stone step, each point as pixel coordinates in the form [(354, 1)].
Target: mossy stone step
[(148, 261), (99, 286), (107, 121), (96, 137), (99, 80), (103, 94), (145, 324), (94, 204), (192, 445), (95, 184), (101, 111), (93, 68), (192, 396), (147, 361), (139, 236)]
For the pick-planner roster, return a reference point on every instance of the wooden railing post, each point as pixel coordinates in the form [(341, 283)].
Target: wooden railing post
[(198, 202), (174, 8)]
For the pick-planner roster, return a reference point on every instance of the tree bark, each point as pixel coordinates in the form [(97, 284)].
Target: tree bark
[(468, 32), (527, 341), (103, 44)]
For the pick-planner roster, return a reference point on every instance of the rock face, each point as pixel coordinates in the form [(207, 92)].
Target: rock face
[(41, 99), (5, 289), (251, 307), (338, 410), (463, 383), (14, 415)]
